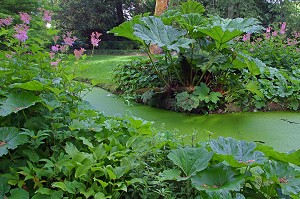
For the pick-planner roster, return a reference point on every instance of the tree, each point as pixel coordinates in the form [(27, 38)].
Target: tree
[(13, 7), (161, 6)]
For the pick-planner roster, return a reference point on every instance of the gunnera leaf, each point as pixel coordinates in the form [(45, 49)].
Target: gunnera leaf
[(190, 160), (217, 178), (284, 175), (192, 7), (18, 101), (187, 101), (242, 151), (154, 31), (10, 138), (203, 93)]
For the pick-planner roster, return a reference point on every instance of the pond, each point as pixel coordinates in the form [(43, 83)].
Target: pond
[(280, 130)]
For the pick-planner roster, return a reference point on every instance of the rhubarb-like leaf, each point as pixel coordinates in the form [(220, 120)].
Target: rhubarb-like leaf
[(10, 138)]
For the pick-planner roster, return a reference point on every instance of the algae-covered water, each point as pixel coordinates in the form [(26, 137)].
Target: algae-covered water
[(280, 130)]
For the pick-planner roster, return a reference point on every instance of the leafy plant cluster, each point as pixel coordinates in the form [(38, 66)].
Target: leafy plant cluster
[(205, 57), (279, 81)]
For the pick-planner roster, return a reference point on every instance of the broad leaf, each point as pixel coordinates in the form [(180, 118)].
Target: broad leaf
[(153, 31), (203, 93), (19, 194), (242, 151), (219, 177), (223, 194), (4, 186), (31, 85), (187, 101), (171, 174), (284, 175), (126, 29), (18, 101), (190, 160), (10, 138), (254, 88), (192, 7), (191, 21)]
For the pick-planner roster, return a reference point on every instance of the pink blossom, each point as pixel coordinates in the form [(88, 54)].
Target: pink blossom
[(246, 37), (259, 39), (274, 33), (55, 38), (52, 55), (47, 16), (8, 56), (267, 35), (296, 34), (55, 63), (282, 28), (95, 38), (21, 31), (63, 48), (268, 30), (68, 40), (25, 17), (79, 53), (55, 48), (6, 22)]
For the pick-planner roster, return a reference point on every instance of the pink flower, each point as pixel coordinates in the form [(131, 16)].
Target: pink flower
[(267, 35), (63, 48), (79, 53), (268, 30), (6, 22), (274, 33), (55, 38), (55, 63), (8, 56), (55, 48), (47, 16), (282, 28), (21, 32), (25, 17), (95, 38), (246, 37), (68, 40), (52, 55)]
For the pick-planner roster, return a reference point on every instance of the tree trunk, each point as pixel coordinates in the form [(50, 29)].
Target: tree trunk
[(120, 14), (160, 7)]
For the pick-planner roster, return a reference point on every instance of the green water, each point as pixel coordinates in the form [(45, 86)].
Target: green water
[(280, 130)]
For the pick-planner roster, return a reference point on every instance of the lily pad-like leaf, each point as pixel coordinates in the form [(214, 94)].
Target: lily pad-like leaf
[(284, 175), (190, 160), (203, 93), (31, 85), (242, 151), (219, 177), (153, 31), (187, 101), (18, 101), (10, 138)]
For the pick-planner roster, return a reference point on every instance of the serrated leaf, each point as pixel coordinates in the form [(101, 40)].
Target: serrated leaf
[(33, 85), (187, 101), (284, 175), (126, 29), (10, 138), (219, 177), (153, 31), (18, 101), (190, 160), (19, 194), (203, 93), (242, 151), (192, 7)]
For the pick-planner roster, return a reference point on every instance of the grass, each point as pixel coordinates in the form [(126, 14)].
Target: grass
[(99, 68)]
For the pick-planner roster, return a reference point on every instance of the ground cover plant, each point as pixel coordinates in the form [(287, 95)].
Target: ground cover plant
[(54, 145), (208, 74)]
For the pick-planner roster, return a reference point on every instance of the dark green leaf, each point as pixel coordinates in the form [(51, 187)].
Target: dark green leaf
[(10, 138), (190, 160), (187, 101), (18, 101), (19, 194)]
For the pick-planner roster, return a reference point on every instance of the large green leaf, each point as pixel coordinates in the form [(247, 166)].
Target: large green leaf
[(153, 31), (33, 85), (18, 101), (4, 186), (190, 22), (187, 101), (284, 175), (190, 160), (126, 29), (203, 93), (192, 7), (10, 138), (19, 194), (219, 177), (242, 151)]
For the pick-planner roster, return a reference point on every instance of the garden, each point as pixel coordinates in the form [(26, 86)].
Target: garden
[(55, 144)]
